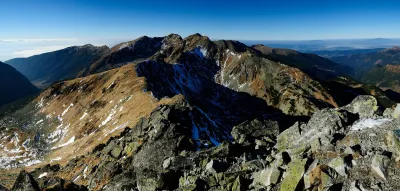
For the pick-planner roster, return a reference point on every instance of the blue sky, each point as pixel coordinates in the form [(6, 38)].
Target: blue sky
[(34, 26)]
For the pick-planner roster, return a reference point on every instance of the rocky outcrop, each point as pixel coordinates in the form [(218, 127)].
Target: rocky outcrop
[(337, 149), (25, 182)]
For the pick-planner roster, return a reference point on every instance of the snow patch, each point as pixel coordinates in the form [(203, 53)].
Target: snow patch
[(83, 116), (55, 159), (66, 110), (42, 175), (70, 141), (369, 123), (200, 52)]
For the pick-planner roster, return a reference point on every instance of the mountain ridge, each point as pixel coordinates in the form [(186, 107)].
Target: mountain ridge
[(47, 68)]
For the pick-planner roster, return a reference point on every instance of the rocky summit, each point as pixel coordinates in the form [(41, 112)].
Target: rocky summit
[(173, 113)]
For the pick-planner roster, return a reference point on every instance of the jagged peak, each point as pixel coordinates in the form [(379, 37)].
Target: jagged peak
[(195, 40)]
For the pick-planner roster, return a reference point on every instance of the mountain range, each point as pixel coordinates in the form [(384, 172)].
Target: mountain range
[(173, 113), (378, 68)]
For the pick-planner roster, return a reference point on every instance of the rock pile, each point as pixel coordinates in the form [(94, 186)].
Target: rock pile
[(348, 148)]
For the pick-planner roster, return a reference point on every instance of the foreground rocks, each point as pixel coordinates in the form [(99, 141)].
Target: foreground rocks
[(348, 148)]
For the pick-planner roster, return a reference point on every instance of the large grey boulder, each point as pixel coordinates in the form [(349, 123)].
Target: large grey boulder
[(364, 105)]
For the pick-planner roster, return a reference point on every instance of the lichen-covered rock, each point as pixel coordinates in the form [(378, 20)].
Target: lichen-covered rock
[(318, 133), (191, 183), (339, 165), (364, 105), (379, 165), (396, 112), (267, 177), (247, 132), (116, 152), (393, 113), (293, 175), (288, 138)]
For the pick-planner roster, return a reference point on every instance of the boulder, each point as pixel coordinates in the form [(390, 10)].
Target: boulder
[(293, 175), (267, 177), (392, 112), (239, 184), (116, 152), (396, 112), (339, 165), (318, 133), (58, 184), (321, 177), (288, 138), (25, 182), (379, 165), (247, 132), (364, 105), (124, 181), (191, 183), (215, 166)]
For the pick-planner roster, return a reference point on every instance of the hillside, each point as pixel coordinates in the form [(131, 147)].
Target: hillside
[(45, 69), (13, 85), (364, 62), (385, 77), (345, 89), (313, 65)]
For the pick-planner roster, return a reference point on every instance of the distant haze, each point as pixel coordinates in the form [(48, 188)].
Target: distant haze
[(340, 44), (18, 48)]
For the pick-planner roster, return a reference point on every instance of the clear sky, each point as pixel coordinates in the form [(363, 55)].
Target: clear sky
[(51, 24)]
